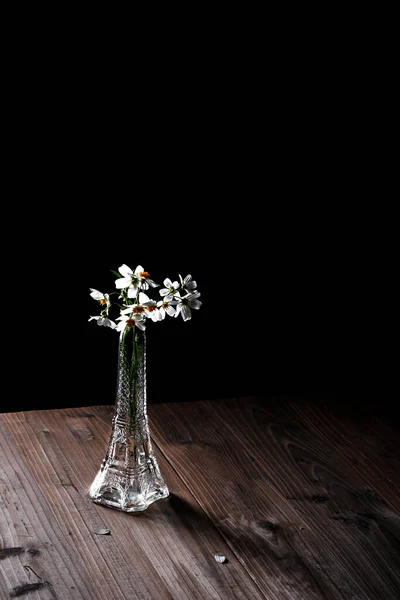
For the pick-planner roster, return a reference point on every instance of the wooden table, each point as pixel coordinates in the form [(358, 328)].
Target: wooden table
[(304, 503)]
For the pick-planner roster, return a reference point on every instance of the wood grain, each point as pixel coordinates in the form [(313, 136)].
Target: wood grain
[(318, 527), (371, 445), (327, 484), (47, 523), (301, 499)]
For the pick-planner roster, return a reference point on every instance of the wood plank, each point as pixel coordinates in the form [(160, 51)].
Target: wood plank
[(259, 525), (371, 444), (324, 486), (47, 520), (261, 481)]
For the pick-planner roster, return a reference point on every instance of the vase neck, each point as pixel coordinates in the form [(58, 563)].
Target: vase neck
[(131, 397)]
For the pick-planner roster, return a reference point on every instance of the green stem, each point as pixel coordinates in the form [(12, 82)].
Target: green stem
[(134, 372)]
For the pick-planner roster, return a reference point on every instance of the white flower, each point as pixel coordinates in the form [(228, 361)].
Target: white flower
[(151, 307), (131, 320), (145, 307), (175, 298), (187, 284), (170, 289), (144, 278), (139, 311), (165, 307), (104, 321), (104, 299), (186, 303), (134, 281), (128, 280)]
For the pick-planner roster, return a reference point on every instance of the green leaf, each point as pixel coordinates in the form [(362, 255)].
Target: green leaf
[(116, 273)]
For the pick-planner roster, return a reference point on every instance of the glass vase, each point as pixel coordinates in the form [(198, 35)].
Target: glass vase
[(129, 478)]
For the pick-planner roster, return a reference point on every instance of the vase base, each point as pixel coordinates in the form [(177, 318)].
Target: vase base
[(115, 491), (129, 506)]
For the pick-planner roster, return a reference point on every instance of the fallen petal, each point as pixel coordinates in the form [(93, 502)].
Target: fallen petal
[(219, 557), (102, 531)]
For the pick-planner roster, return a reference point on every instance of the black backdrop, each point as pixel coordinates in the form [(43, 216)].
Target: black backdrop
[(269, 323), (251, 199)]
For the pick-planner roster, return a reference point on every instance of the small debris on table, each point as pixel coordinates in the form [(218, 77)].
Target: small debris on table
[(102, 531), (219, 557)]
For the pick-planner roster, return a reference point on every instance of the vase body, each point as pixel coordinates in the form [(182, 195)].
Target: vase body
[(129, 478)]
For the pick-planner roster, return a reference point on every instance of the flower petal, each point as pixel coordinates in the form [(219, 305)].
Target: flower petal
[(167, 282), (186, 313), (193, 303), (123, 282), (125, 270), (143, 298), (132, 291), (139, 269), (96, 294)]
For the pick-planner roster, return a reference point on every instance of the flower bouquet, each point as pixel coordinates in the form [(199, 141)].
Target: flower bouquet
[(129, 478)]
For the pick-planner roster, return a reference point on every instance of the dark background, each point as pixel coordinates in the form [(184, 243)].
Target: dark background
[(252, 201), (263, 325), (269, 324), (284, 309), (252, 169)]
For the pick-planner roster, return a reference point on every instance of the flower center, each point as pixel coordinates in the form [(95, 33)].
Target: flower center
[(137, 309), (164, 304), (102, 301), (144, 274), (130, 322), (151, 308)]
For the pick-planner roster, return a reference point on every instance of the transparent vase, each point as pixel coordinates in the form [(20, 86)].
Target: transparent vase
[(129, 478)]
